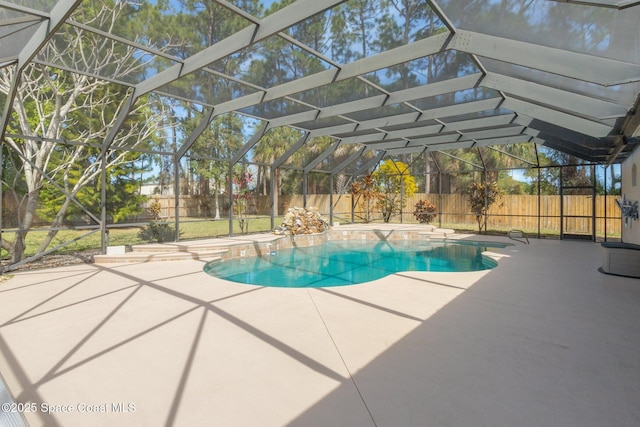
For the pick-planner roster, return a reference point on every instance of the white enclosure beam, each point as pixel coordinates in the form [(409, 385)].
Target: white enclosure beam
[(589, 68)]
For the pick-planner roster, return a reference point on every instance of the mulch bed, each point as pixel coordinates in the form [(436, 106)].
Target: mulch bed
[(58, 260)]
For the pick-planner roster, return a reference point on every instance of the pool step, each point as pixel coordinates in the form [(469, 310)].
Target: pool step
[(163, 252), (175, 247), (437, 232)]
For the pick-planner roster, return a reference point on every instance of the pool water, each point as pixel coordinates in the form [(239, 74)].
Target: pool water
[(348, 262)]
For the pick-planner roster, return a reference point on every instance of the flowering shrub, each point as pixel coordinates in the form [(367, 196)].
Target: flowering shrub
[(424, 211), (481, 196), (241, 199), (368, 196)]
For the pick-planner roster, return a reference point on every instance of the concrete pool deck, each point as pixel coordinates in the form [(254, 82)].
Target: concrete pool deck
[(543, 339)]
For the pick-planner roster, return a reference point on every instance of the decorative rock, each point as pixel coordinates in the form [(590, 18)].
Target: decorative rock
[(302, 221)]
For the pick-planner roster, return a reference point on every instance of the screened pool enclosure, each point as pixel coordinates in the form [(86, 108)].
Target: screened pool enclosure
[(129, 121)]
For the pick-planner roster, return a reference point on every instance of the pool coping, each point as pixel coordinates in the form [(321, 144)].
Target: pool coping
[(258, 248)]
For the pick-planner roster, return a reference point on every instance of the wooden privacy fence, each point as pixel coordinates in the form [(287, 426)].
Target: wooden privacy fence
[(511, 211)]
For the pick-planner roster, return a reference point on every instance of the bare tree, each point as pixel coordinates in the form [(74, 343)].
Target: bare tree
[(53, 105)]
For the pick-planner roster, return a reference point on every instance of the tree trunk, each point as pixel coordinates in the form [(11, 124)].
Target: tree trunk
[(56, 223), (278, 190), (216, 192), (19, 244)]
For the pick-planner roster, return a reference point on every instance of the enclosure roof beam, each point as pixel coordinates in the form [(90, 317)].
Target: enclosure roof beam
[(461, 160), (482, 122), (352, 158), (120, 119), (448, 146), (353, 106), (617, 5), (430, 129), (446, 111), (435, 140), (587, 150), (325, 154), (366, 138), (433, 158), (426, 129), (617, 149), (443, 16), (297, 117), (535, 127), (370, 165), (406, 150), (404, 53), (580, 66), (562, 100), (479, 136), (488, 142), (484, 164), (40, 37), (549, 115), (445, 128), (492, 133), (249, 144), (272, 24), (202, 126), (434, 89), (406, 95), (295, 147), (574, 150), (387, 145)]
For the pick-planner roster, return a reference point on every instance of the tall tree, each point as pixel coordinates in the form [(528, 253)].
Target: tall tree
[(211, 153), (270, 148), (200, 24), (394, 180)]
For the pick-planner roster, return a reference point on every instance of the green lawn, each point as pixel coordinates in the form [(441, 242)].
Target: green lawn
[(189, 230)]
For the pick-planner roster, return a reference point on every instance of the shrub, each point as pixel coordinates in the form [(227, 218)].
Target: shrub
[(424, 211), (367, 196), (482, 195), (158, 229), (395, 183)]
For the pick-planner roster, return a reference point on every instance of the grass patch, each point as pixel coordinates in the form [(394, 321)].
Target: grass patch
[(190, 229)]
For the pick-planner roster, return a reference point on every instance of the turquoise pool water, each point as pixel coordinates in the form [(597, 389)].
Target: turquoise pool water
[(340, 263)]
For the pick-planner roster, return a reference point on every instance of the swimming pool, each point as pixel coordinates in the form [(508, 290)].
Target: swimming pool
[(340, 263)]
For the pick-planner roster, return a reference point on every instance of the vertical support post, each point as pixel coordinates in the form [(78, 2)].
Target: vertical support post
[(273, 210), (331, 199), (561, 205), (230, 193), (427, 173), (305, 182), (176, 195), (593, 203), (1, 193), (486, 199), (103, 202), (401, 197), (606, 193), (353, 205), (539, 203), (439, 199)]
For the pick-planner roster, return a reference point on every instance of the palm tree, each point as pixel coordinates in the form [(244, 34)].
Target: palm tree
[(271, 147)]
